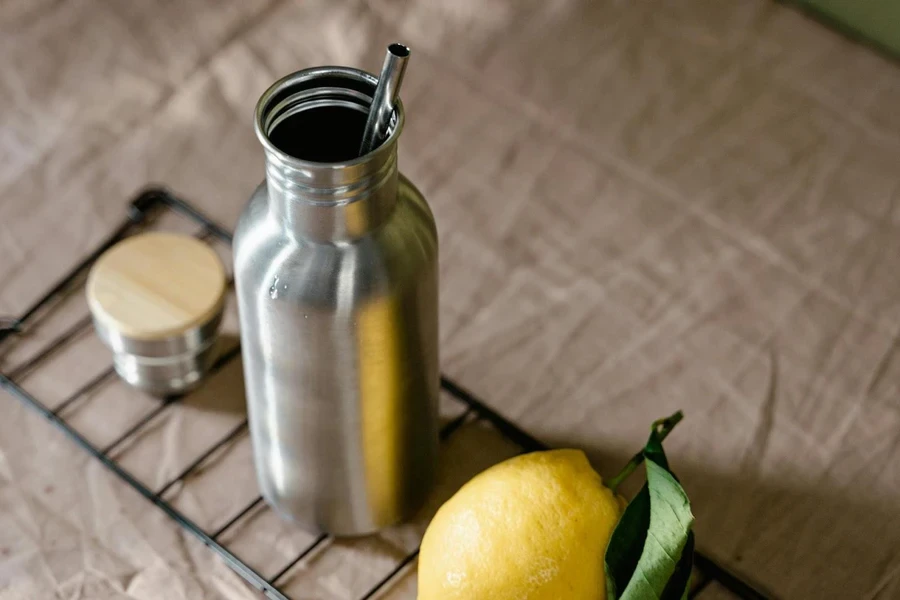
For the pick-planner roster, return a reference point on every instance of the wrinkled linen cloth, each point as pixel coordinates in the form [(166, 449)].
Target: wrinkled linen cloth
[(642, 207)]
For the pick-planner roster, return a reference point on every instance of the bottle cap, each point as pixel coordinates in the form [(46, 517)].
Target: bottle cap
[(156, 285), (157, 301)]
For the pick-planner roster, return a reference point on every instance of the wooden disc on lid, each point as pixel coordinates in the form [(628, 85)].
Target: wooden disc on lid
[(156, 285)]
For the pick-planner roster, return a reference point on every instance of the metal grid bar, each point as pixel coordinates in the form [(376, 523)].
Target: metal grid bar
[(229, 437), (241, 568), (306, 552), (240, 515), (135, 216), (79, 328), (102, 377), (139, 212), (375, 589), (134, 429)]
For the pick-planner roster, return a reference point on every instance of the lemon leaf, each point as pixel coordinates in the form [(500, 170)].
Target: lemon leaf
[(680, 583), (624, 550), (650, 554)]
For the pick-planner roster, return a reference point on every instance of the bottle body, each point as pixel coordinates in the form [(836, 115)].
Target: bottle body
[(337, 286)]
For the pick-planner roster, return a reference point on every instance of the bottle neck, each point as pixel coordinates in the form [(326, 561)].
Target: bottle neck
[(310, 125), (332, 203)]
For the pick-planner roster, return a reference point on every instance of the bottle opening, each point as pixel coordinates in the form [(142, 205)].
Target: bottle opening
[(319, 115), (323, 134)]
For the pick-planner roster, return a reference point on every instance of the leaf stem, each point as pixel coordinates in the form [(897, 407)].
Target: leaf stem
[(662, 428)]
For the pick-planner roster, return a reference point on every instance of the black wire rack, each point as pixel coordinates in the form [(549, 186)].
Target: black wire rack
[(142, 211)]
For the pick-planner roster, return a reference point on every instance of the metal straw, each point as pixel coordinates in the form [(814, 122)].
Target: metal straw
[(385, 95)]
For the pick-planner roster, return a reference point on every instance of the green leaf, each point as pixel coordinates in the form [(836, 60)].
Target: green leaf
[(624, 550), (650, 554), (680, 583)]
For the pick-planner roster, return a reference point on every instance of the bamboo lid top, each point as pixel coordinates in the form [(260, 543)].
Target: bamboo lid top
[(156, 285)]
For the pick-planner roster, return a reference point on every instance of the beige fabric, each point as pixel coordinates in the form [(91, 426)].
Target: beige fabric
[(643, 206)]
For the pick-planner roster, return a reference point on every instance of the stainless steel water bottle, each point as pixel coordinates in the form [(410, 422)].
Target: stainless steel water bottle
[(336, 273)]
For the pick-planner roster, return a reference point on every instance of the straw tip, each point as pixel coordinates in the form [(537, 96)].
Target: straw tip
[(399, 50)]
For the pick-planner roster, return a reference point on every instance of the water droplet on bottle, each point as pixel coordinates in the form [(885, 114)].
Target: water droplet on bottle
[(273, 289)]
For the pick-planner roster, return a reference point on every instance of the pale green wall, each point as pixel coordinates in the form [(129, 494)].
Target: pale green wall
[(875, 20)]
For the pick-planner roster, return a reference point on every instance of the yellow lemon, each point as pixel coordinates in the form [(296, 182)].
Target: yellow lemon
[(534, 527)]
